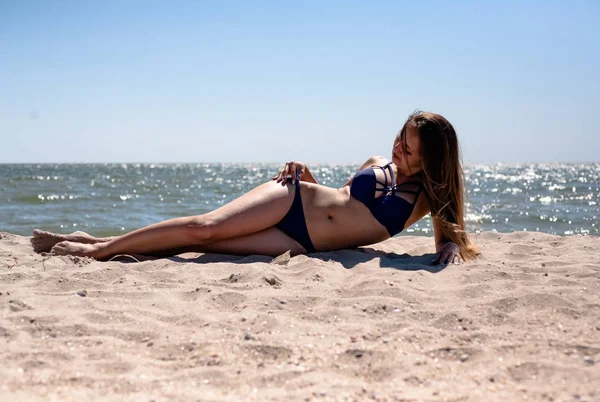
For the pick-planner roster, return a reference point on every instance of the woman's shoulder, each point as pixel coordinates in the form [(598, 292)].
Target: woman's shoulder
[(376, 160)]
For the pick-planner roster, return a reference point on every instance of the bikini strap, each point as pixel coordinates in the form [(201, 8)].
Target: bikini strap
[(416, 192), (389, 166), (419, 188), (385, 185)]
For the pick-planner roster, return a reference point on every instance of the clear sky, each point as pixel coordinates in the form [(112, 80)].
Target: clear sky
[(318, 81)]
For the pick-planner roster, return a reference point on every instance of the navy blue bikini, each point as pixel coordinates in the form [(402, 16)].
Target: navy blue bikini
[(390, 209), (293, 223)]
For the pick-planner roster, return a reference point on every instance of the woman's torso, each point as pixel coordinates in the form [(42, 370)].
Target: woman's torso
[(335, 219)]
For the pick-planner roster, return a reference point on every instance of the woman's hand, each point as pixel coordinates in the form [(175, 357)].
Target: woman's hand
[(290, 169), (450, 253)]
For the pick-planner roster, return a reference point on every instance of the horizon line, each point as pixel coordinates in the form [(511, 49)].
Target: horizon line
[(278, 162)]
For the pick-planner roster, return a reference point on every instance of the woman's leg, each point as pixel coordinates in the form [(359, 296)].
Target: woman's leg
[(43, 241), (272, 242), (255, 211)]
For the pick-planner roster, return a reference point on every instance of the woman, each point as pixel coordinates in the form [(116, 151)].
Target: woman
[(381, 200)]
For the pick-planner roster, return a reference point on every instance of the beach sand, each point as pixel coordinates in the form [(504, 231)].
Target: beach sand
[(522, 322)]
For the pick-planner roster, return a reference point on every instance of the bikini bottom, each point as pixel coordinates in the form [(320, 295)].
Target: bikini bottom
[(293, 223)]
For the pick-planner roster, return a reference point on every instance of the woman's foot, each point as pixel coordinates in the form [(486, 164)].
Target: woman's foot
[(44, 241), (73, 248)]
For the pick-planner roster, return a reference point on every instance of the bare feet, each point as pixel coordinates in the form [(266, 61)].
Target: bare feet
[(44, 241), (72, 248)]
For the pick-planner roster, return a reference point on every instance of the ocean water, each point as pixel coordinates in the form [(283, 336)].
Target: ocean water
[(109, 199)]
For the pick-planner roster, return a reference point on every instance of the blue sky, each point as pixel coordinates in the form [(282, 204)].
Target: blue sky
[(267, 81)]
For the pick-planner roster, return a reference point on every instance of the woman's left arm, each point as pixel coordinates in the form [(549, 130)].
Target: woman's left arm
[(446, 251)]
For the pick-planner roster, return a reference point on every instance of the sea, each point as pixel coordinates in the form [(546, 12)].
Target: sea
[(112, 199)]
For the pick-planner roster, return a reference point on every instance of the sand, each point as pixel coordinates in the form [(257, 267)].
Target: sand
[(522, 322)]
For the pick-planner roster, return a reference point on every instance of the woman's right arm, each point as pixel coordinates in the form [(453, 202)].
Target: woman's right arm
[(373, 160)]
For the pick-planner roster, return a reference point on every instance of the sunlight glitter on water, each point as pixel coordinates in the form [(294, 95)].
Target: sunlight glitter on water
[(105, 198)]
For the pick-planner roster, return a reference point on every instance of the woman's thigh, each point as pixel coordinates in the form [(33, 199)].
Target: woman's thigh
[(271, 242), (259, 209)]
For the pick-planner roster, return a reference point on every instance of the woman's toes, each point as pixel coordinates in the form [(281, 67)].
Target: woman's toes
[(60, 248), (72, 248), (43, 241), (38, 233), (37, 244)]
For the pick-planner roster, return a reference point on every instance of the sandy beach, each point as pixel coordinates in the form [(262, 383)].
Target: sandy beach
[(522, 322)]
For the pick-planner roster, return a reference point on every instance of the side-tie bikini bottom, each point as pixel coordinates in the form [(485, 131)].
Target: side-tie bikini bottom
[(293, 223)]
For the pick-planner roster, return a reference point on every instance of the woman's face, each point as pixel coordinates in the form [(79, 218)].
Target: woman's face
[(408, 160)]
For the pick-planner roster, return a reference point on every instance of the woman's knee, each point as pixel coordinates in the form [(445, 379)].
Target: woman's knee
[(200, 229)]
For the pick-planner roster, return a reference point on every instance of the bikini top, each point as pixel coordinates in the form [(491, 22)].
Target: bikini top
[(392, 204)]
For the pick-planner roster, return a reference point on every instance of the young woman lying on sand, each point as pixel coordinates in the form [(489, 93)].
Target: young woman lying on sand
[(382, 199)]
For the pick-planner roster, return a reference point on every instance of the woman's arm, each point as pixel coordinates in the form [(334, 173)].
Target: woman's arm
[(307, 176), (373, 160), (290, 169), (446, 251)]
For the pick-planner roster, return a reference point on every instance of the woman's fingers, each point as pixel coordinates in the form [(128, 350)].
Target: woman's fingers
[(285, 172), (453, 258), (292, 172), (281, 175), (446, 257), (289, 170)]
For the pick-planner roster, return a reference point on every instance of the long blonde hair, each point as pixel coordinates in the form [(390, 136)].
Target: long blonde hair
[(442, 176)]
